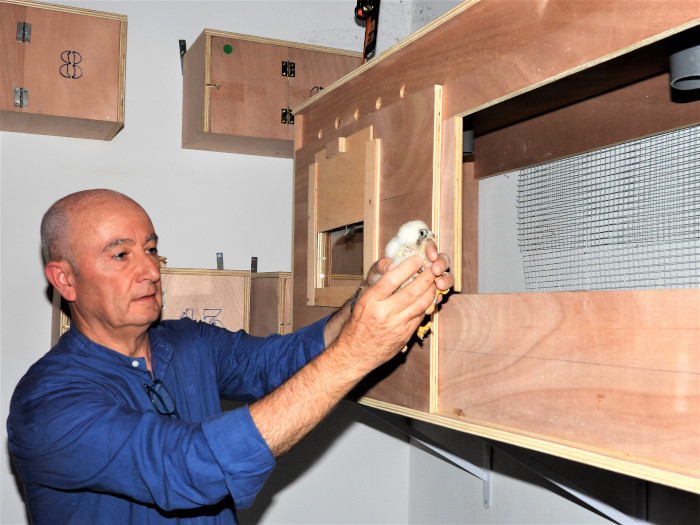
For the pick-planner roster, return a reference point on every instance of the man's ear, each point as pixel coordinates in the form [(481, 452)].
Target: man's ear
[(61, 275)]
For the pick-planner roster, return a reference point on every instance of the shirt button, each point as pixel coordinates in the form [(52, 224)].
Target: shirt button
[(135, 363)]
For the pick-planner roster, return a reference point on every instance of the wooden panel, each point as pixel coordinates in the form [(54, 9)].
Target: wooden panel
[(469, 260), (631, 112), (269, 303), (491, 51), (73, 69), (194, 92), (340, 184), (617, 373), (253, 90), (214, 296)]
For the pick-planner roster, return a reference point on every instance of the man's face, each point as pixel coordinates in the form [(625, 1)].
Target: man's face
[(117, 273)]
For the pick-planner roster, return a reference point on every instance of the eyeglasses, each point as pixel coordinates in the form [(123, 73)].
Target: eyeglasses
[(161, 399)]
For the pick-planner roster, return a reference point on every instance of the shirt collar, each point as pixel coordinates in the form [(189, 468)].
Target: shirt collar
[(161, 351)]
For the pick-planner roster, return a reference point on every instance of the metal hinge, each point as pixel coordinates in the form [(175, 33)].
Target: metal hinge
[(21, 97), (288, 68), (287, 116), (24, 32)]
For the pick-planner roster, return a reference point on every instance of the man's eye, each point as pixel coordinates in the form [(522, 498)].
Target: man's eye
[(119, 256), (152, 251)]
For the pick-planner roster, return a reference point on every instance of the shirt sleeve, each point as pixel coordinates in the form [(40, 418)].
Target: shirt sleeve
[(248, 367), (72, 439)]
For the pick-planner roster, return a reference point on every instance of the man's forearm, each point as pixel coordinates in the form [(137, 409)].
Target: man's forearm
[(286, 415)]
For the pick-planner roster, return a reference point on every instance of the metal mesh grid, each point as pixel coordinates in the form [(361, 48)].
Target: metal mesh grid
[(625, 217)]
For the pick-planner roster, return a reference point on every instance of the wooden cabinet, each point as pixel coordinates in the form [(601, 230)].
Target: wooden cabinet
[(62, 70), (217, 297), (610, 378), (238, 90), (270, 303)]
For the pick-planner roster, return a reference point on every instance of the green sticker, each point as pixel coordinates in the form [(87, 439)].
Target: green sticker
[(228, 49)]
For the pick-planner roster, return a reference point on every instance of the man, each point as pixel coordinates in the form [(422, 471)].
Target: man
[(121, 423)]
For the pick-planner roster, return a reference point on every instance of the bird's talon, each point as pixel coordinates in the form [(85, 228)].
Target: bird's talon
[(423, 330)]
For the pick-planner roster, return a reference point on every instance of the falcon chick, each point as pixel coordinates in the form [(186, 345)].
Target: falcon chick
[(411, 240)]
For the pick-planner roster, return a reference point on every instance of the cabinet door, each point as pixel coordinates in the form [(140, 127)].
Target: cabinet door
[(252, 90), (72, 65), (72, 69)]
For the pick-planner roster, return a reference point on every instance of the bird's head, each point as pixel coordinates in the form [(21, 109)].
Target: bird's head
[(415, 232)]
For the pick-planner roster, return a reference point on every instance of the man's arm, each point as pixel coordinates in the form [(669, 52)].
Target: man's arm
[(378, 327)]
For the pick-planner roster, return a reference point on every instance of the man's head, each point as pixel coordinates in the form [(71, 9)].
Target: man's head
[(100, 252)]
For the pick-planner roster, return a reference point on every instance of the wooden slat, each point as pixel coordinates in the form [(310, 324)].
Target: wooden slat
[(628, 113), (617, 373), (652, 329)]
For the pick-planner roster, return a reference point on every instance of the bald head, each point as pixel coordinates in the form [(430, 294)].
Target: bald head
[(57, 222)]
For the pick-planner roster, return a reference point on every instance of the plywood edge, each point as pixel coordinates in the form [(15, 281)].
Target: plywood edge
[(203, 271), (284, 43), (67, 9), (598, 458), (122, 76), (385, 55), (269, 275)]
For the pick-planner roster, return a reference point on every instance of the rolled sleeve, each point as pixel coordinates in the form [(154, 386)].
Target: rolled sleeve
[(241, 452)]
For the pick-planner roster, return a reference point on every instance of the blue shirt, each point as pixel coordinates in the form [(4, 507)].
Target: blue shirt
[(91, 448)]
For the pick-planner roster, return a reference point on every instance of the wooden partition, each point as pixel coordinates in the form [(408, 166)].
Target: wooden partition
[(606, 378)]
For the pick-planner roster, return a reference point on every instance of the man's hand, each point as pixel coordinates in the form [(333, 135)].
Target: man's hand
[(437, 272)]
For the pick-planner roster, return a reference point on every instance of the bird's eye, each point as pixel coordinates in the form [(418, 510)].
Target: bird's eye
[(422, 233)]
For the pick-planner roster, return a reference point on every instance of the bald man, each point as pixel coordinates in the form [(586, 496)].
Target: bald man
[(121, 422)]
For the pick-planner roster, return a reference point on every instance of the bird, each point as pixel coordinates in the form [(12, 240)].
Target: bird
[(410, 240)]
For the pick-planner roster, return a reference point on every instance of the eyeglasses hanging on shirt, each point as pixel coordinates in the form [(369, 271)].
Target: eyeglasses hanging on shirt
[(161, 399)]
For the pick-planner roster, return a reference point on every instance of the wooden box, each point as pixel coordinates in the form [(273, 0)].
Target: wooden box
[(62, 70), (217, 297), (609, 378), (270, 303), (239, 90)]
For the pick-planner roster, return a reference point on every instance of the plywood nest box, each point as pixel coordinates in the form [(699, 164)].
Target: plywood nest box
[(239, 90), (62, 70), (607, 378)]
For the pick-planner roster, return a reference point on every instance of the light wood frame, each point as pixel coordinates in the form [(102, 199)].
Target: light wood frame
[(611, 379)]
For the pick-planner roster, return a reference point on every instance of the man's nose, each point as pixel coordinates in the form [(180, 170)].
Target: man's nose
[(150, 267)]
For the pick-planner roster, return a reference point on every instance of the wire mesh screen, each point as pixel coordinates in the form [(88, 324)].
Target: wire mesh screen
[(625, 217)]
